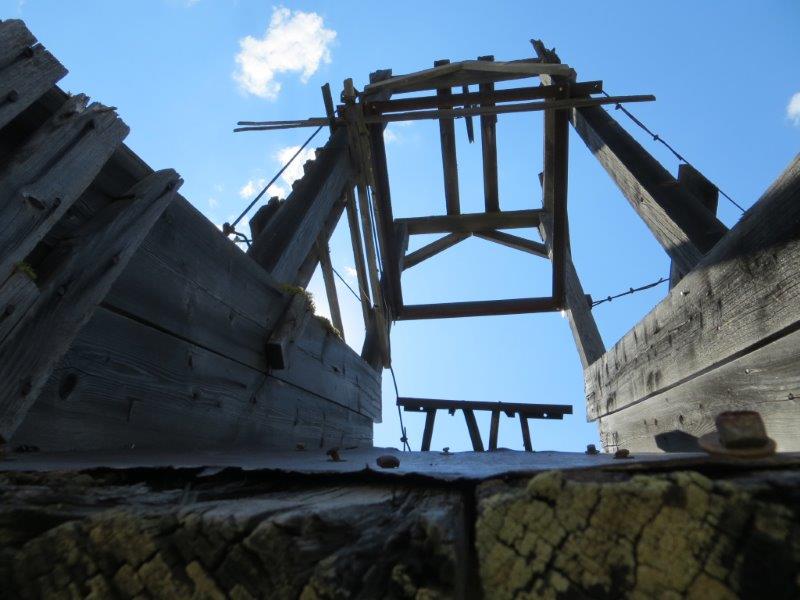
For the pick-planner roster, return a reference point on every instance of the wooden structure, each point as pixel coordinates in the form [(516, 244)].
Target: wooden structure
[(127, 320)]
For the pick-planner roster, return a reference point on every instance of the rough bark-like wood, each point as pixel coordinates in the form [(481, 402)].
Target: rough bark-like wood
[(86, 267), (741, 295), (52, 169), (766, 380), (515, 242), (25, 72), (472, 222), (433, 249), (447, 135)]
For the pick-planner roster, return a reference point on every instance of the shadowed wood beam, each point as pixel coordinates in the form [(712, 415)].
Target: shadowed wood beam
[(309, 266), (288, 330), (532, 411), (526, 433), (489, 148), (494, 430), (477, 308), (474, 432), (433, 249), (556, 159), (708, 195), (515, 242), (324, 255), (742, 295), (51, 170), (79, 273), (681, 224), (447, 135), (358, 255), (427, 434), (473, 222)]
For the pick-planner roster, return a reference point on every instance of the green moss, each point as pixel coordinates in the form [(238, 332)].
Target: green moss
[(330, 327), (296, 289), (26, 269)]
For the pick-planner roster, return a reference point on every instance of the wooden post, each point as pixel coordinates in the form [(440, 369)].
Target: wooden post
[(526, 433), (80, 271), (358, 255), (474, 432), (447, 133), (427, 435), (494, 430), (556, 158), (489, 149), (684, 227), (324, 255)]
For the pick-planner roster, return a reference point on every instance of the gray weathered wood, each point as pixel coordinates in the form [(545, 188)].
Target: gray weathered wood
[(742, 294), (87, 266), (432, 249), (494, 429), (474, 432), (478, 308), (288, 330), (526, 432), (427, 434), (472, 222), (263, 216), (309, 266), (447, 136), (489, 149), (554, 183), (17, 294), (766, 380), (25, 73), (324, 255), (515, 242), (358, 255), (52, 169)]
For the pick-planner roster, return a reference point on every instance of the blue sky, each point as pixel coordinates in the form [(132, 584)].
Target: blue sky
[(726, 80)]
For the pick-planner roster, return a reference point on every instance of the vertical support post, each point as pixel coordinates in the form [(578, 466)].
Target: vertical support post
[(447, 133), (427, 434), (489, 149), (494, 430), (474, 432), (556, 157), (358, 254), (526, 433), (324, 256)]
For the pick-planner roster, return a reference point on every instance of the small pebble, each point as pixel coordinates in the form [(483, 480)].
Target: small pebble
[(387, 461), (622, 453)]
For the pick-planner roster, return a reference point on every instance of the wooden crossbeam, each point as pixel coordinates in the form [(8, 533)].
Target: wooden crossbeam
[(474, 432), (80, 272), (515, 242), (681, 224), (473, 222), (447, 135), (477, 308), (324, 255), (489, 148), (434, 248), (531, 411)]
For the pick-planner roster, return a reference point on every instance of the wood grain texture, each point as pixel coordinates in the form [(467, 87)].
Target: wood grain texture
[(289, 329), (766, 380), (49, 173), (17, 294), (15, 37), (742, 294), (447, 138), (86, 267)]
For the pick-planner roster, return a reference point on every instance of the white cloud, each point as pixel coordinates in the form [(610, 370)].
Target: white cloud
[(253, 186), (295, 170), (389, 136), (219, 188), (793, 109), (213, 202), (295, 41), (351, 273)]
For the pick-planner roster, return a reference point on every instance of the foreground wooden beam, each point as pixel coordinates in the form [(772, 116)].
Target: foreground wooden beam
[(473, 222), (489, 149), (447, 135), (515, 242), (434, 248), (684, 227), (79, 273), (324, 254), (741, 296), (531, 411), (477, 308)]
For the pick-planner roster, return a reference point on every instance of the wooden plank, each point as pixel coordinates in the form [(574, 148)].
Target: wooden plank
[(483, 98), (473, 222), (289, 329), (358, 255), (532, 411), (489, 148), (555, 195), (494, 429), (477, 308), (474, 432), (515, 242), (53, 167), (199, 400), (742, 294), (432, 249), (289, 237), (708, 195), (26, 78), (85, 267), (15, 38), (765, 380), (309, 266), (526, 432), (447, 136), (427, 434), (324, 255), (684, 228), (17, 294)]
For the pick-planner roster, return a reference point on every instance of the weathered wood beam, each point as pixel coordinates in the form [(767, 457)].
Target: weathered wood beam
[(494, 430), (287, 331), (263, 216), (473, 222), (80, 271), (434, 248), (515, 242), (26, 71), (741, 296), (55, 165), (556, 140), (489, 148), (358, 255), (526, 432), (427, 434), (447, 135), (477, 308), (324, 256), (684, 227), (309, 266), (708, 195), (532, 411), (290, 235), (474, 432), (486, 98)]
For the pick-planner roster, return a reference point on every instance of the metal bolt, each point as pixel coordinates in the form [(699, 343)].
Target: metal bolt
[(12, 96)]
